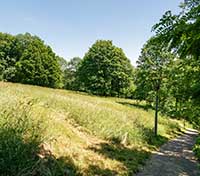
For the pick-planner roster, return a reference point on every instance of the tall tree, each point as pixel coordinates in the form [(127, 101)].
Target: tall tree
[(7, 56), (151, 72), (26, 59), (70, 73), (105, 70), (181, 34)]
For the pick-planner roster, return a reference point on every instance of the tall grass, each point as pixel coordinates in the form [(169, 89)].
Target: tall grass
[(21, 144), (20, 139), (56, 132)]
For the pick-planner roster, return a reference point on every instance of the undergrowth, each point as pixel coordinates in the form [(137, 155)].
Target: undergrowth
[(196, 148)]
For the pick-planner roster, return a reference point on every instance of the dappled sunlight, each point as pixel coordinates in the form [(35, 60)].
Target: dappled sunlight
[(174, 158)]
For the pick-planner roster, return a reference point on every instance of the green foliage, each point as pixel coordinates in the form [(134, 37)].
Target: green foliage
[(70, 74), (152, 70), (180, 34), (196, 148), (105, 70), (26, 59), (7, 56), (62, 62)]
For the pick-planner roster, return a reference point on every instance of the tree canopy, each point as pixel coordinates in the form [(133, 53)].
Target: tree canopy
[(105, 70), (169, 64), (151, 73), (26, 59), (70, 73), (177, 46)]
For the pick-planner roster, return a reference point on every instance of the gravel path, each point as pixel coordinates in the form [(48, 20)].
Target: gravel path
[(175, 158)]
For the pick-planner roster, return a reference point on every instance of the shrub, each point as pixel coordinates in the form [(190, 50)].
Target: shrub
[(196, 148)]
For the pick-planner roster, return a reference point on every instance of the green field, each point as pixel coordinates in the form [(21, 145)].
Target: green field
[(62, 132)]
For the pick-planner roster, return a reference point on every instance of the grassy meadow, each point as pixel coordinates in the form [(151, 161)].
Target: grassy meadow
[(50, 132)]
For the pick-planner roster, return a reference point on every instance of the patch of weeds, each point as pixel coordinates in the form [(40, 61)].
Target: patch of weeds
[(96, 170), (196, 148), (129, 157), (150, 138)]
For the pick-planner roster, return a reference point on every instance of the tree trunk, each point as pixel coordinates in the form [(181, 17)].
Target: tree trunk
[(156, 115)]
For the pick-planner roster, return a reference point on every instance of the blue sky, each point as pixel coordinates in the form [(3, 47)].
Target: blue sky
[(70, 27)]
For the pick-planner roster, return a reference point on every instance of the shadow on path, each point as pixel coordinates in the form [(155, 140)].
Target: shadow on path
[(175, 158)]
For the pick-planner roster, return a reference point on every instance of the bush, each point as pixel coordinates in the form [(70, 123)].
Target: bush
[(196, 148)]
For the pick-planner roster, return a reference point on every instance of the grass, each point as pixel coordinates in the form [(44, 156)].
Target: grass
[(72, 133)]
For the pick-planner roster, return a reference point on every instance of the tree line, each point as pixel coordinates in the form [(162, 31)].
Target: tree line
[(104, 70), (166, 76), (168, 69), (26, 59)]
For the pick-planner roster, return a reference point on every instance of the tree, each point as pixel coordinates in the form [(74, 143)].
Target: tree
[(105, 70), (181, 35), (26, 59), (7, 56), (151, 72), (62, 62), (181, 32), (70, 73)]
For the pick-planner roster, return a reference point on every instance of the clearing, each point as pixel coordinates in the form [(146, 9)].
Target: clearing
[(82, 134)]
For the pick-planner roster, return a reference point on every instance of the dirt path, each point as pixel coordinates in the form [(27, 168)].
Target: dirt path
[(175, 158)]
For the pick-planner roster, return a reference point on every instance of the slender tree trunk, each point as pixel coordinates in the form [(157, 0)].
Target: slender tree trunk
[(156, 115)]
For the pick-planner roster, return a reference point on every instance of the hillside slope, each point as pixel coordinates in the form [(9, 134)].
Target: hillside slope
[(77, 134)]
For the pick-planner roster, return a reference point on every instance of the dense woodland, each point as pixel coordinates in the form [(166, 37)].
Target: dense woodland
[(166, 76)]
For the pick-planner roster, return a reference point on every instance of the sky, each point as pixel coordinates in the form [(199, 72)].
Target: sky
[(70, 27)]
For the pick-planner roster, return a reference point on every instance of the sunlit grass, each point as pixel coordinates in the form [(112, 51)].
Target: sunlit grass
[(90, 135)]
